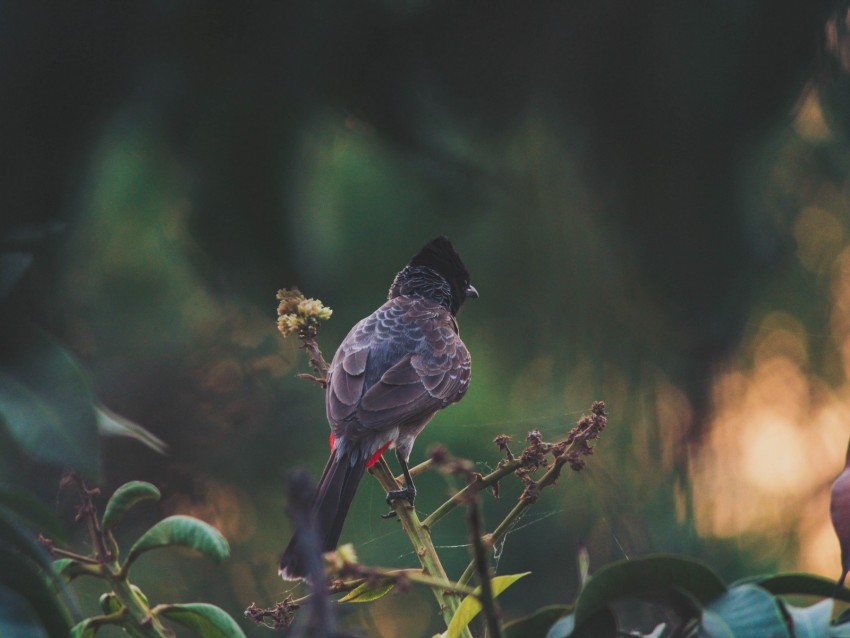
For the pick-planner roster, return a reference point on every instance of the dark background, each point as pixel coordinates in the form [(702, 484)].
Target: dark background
[(645, 193)]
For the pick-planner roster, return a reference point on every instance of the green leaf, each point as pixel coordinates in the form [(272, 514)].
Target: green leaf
[(470, 606), (363, 593), (17, 619), (23, 578), (563, 628), (583, 565), (645, 577), (84, 629), (69, 569), (126, 497), (603, 624), (811, 621), (111, 424), (184, 531), (535, 624), (46, 404), (36, 515), (799, 583), (745, 610), (206, 620)]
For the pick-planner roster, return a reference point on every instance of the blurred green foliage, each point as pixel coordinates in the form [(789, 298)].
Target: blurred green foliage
[(623, 181)]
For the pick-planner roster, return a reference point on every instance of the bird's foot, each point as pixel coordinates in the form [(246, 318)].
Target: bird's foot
[(408, 493)]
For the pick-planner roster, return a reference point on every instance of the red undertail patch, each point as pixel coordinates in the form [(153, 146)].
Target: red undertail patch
[(374, 458)]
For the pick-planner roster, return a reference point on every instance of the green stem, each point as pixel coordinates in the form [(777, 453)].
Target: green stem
[(481, 483), (420, 538), (139, 613), (510, 520), (416, 470)]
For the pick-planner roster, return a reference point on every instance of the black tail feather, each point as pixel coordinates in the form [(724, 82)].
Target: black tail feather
[(335, 493)]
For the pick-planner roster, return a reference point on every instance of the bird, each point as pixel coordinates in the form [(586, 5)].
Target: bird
[(391, 374), (839, 512)]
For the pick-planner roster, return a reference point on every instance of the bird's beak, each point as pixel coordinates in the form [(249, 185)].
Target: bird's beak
[(471, 292)]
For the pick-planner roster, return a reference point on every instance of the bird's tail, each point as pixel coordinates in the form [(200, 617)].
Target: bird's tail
[(335, 492)]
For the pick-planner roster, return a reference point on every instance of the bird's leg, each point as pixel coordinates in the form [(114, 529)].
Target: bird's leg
[(408, 491)]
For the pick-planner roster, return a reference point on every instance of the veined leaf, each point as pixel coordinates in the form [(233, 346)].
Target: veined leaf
[(184, 531), (207, 620), (470, 606), (126, 497), (812, 621), (799, 583), (745, 610)]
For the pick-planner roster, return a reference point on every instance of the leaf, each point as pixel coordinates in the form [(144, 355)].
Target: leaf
[(563, 628), (470, 606), (184, 531), (34, 513), (745, 610), (811, 621), (22, 577), (602, 624), (70, 569), (583, 562), (124, 498), (15, 539), (84, 629), (17, 619), (207, 620), (46, 405), (111, 424), (643, 577), (799, 583), (535, 624), (363, 593)]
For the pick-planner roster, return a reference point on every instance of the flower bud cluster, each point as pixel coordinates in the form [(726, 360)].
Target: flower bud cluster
[(299, 315)]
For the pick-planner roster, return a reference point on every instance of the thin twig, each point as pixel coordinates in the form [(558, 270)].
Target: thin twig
[(314, 355), (480, 483), (528, 497)]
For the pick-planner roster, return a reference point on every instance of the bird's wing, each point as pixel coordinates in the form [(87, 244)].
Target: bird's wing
[(419, 365), (417, 386)]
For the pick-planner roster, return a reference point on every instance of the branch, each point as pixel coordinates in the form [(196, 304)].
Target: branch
[(478, 484), (314, 355), (571, 450), (421, 541)]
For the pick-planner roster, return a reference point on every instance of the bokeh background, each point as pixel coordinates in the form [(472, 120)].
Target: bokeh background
[(652, 199)]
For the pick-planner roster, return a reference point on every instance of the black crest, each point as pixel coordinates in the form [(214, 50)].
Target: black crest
[(435, 272), (439, 255)]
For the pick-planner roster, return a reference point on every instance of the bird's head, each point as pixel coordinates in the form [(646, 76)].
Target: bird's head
[(436, 272)]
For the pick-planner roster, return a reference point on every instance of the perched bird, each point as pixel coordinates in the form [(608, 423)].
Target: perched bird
[(839, 512), (396, 369)]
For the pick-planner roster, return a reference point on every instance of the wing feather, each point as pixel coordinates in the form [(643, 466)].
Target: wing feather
[(395, 368)]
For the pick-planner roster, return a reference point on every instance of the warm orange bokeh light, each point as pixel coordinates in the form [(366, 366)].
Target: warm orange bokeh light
[(780, 429)]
